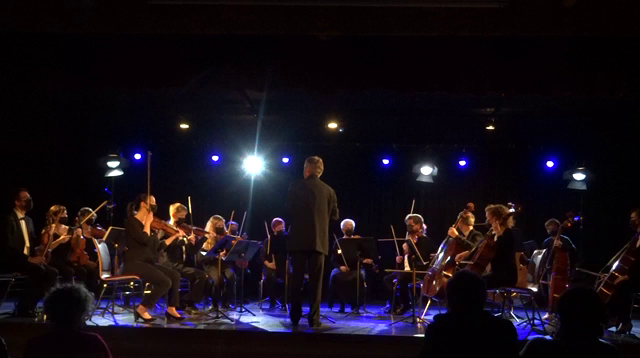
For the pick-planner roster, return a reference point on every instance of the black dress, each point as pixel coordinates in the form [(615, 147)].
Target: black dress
[(61, 261), (504, 272)]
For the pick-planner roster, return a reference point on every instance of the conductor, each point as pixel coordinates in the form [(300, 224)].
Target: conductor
[(311, 203)]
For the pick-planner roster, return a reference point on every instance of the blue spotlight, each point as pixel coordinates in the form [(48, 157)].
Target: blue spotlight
[(386, 162), (215, 158), (285, 160), (137, 156), (462, 163), (550, 164)]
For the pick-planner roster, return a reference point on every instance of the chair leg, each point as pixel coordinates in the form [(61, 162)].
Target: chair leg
[(4, 297), (393, 296), (261, 293)]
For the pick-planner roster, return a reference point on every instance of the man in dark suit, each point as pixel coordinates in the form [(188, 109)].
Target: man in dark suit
[(311, 203), (17, 247)]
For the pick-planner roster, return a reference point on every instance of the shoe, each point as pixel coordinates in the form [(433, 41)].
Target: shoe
[(549, 317), (341, 310), (401, 310), (226, 306), (172, 317), (624, 328), (137, 316), (317, 325), (294, 324)]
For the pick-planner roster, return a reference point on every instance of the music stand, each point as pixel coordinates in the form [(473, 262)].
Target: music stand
[(354, 249), (416, 258), (241, 253), (116, 236), (214, 305)]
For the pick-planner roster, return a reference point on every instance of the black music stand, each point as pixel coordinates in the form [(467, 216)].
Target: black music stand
[(241, 253), (214, 306), (354, 249), (416, 259)]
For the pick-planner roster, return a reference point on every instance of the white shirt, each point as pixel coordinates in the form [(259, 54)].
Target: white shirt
[(406, 263), (25, 232)]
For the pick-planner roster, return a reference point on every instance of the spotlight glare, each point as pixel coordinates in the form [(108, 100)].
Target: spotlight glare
[(114, 173), (462, 162), (426, 170), (332, 125), (550, 163), (184, 125), (579, 176), (285, 160), (137, 156), (253, 165), (490, 127), (215, 158), (386, 161), (113, 163)]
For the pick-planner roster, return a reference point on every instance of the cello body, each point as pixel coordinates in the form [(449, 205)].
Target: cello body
[(442, 268), (485, 252), (559, 276), (618, 269)]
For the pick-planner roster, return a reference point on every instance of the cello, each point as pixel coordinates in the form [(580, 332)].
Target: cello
[(443, 265), (627, 256), (486, 250), (560, 268)]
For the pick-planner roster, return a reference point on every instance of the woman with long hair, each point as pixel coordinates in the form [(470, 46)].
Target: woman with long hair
[(222, 273), (504, 272), (140, 259)]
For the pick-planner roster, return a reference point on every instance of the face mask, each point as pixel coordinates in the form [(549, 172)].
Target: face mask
[(28, 205), (488, 224), (220, 231), (154, 208), (233, 232), (348, 232), (279, 232), (410, 229), (180, 221), (633, 224), (553, 233), (63, 220), (90, 221)]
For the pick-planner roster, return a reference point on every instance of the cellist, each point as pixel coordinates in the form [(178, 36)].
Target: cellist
[(619, 305)]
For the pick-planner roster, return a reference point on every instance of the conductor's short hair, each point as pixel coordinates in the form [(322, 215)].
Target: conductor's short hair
[(315, 165)]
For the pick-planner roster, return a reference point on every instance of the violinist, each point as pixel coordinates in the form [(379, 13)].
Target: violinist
[(222, 273), (17, 254), (621, 302), (416, 232), (141, 255), (62, 248), (176, 255), (342, 281), (274, 259), (90, 231), (504, 272)]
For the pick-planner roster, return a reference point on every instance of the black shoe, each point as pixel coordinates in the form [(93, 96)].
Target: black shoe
[(294, 324), (624, 328), (402, 309), (172, 317), (341, 310), (137, 316), (317, 325), (226, 306)]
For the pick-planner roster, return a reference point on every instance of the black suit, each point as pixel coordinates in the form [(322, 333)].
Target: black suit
[(311, 204), (13, 260)]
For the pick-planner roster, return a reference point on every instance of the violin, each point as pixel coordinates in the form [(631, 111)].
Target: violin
[(190, 229), (98, 232), (79, 254), (159, 224)]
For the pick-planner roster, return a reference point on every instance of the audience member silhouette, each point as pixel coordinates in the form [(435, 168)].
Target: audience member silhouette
[(4, 352), (67, 307), (582, 318), (467, 329)]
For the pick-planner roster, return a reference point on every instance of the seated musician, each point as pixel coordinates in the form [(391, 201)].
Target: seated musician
[(342, 282), (426, 247), (620, 303), (465, 232), (223, 275), (274, 258), (17, 255), (504, 272), (141, 259), (176, 254), (87, 232), (62, 249), (488, 336), (552, 226)]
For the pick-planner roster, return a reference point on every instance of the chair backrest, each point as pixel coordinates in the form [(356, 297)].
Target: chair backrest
[(534, 265), (104, 258)]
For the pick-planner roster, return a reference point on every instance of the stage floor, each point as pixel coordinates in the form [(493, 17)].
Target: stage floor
[(374, 323)]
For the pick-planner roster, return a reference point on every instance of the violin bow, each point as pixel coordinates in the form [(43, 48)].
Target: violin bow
[(149, 179), (93, 211), (340, 251), (266, 227), (242, 224)]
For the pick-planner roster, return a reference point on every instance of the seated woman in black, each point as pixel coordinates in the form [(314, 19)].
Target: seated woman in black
[(222, 273), (62, 249), (504, 272), (140, 259)]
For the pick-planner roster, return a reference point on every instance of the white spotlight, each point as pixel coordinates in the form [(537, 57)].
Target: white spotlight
[(113, 163), (253, 165), (113, 173), (579, 174), (426, 170)]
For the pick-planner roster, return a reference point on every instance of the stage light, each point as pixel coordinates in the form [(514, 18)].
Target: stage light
[(215, 158), (462, 163), (341, 130), (285, 160), (386, 161), (253, 165), (579, 176), (490, 127), (137, 156), (113, 163), (550, 164), (114, 173), (184, 126), (332, 125), (426, 170)]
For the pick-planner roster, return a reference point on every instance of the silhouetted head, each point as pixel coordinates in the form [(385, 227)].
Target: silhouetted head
[(582, 314), (68, 305), (466, 292)]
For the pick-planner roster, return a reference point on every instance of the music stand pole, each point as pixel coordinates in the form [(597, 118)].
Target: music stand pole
[(215, 305), (242, 308), (364, 308), (414, 318)]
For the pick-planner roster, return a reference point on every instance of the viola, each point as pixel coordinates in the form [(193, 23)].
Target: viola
[(190, 229), (159, 224), (98, 232), (79, 255)]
